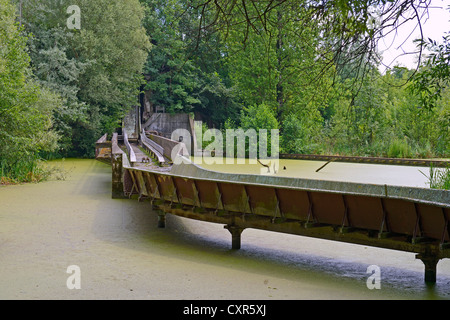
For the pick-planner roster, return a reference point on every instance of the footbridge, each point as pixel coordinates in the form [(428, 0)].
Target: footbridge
[(403, 218)]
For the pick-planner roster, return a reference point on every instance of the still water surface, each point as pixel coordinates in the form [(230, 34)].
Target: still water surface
[(396, 175), (46, 227)]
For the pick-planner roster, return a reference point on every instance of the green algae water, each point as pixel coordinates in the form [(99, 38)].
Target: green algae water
[(121, 254), (395, 175)]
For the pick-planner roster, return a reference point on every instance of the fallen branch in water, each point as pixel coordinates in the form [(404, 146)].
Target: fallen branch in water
[(324, 165), (264, 165)]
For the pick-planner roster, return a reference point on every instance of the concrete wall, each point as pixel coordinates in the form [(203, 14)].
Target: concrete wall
[(166, 143), (172, 126), (130, 123), (166, 123)]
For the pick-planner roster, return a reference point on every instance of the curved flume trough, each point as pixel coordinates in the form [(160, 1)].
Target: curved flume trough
[(404, 218)]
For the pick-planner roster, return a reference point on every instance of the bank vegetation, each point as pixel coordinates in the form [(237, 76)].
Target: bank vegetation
[(308, 68)]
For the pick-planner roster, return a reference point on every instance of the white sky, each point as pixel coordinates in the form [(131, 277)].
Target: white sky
[(434, 26)]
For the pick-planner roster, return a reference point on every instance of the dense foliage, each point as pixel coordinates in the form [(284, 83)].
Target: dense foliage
[(25, 106), (97, 69), (308, 68)]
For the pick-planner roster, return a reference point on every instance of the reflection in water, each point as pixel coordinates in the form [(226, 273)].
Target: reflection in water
[(335, 265), (123, 255)]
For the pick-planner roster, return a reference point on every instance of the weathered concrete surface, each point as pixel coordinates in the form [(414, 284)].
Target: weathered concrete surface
[(424, 195), (167, 123), (44, 228), (131, 123), (168, 145), (117, 156)]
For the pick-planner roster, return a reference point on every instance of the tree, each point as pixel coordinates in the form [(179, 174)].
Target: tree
[(183, 74), (257, 118), (277, 65), (171, 76), (97, 69), (350, 30), (434, 75), (25, 107)]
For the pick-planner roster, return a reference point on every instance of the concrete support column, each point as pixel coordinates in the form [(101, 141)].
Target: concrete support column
[(117, 176), (235, 235), (430, 261), (161, 219), (117, 169)]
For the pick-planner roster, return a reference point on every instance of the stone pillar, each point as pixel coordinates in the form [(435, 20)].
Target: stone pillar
[(235, 235), (117, 169), (117, 176), (430, 261), (161, 219)]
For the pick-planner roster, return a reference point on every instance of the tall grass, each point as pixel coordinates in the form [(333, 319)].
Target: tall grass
[(30, 170), (399, 149), (438, 178)]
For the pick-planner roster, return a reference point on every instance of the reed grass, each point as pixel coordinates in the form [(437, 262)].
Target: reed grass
[(399, 149), (438, 178), (32, 170)]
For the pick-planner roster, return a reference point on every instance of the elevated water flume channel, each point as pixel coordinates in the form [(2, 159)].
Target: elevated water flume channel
[(404, 218)]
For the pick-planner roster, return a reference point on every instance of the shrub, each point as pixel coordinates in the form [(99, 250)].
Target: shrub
[(399, 149)]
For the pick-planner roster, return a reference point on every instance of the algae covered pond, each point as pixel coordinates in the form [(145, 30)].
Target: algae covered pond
[(121, 254)]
